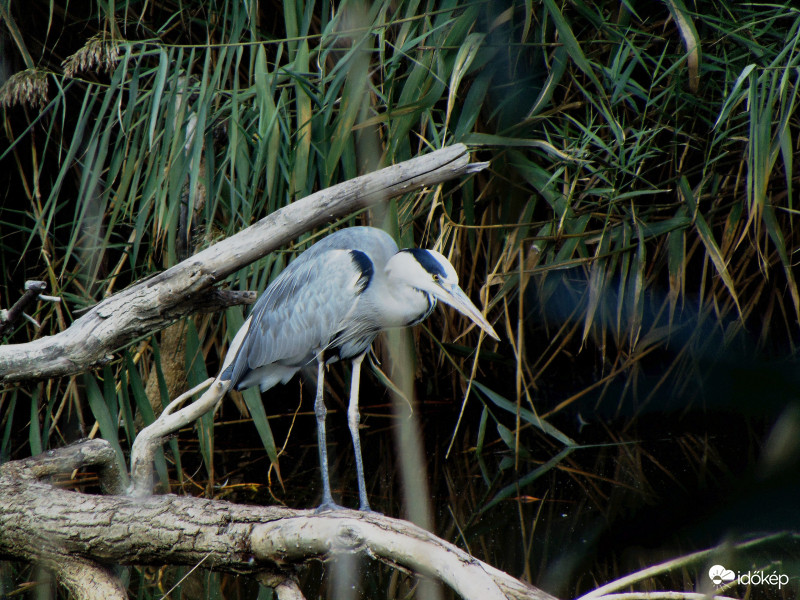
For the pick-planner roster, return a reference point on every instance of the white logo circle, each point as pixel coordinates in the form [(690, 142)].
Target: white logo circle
[(720, 574)]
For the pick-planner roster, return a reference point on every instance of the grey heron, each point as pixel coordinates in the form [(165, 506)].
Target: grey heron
[(329, 304)]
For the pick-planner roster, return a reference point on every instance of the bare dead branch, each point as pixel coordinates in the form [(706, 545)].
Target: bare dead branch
[(41, 523), (218, 300), (150, 439), (32, 291), (399, 541), (153, 304), (87, 580), (85, 453)]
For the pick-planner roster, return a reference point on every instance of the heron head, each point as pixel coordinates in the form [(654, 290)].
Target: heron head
[(431, 273)]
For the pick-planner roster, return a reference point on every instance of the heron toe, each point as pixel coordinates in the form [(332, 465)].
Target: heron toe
[(328, 506)]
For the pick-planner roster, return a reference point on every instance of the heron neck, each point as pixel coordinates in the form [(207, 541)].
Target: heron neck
[(402, 304)]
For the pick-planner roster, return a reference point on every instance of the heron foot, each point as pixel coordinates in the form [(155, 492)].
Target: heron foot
[(327, 506)]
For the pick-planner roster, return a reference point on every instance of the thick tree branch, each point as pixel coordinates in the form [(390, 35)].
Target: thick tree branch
[(42, 523), (401, 542), (86, 453), (88, 581), (153, 304)]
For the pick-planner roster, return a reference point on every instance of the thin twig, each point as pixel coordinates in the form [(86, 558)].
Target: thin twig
[(33, 290)]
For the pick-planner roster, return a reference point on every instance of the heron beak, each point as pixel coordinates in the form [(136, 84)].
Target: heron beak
[(455, 297)]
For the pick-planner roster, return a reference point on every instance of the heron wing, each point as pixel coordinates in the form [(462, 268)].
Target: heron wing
[(300, 313)]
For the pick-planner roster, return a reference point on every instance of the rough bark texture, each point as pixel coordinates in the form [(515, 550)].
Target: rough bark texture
[(86, 453), (154, 303), (88, 581), (42, 523)]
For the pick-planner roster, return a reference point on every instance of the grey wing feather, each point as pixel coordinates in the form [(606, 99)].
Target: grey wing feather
[(299, 313), (300, 309)]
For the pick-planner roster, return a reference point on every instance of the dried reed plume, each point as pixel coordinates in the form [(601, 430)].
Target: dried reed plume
[(26, 87), (98, 54)]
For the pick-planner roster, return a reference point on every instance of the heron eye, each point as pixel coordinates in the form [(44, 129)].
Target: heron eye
[(436, 277)]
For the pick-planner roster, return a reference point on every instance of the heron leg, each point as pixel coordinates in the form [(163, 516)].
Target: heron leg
[(320, 411), (353, 419)]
